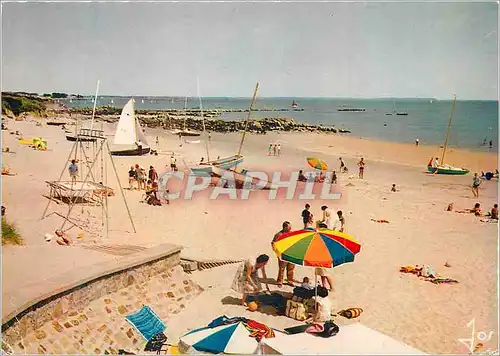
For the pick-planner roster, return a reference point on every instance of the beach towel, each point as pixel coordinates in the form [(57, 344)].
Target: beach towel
[(146, 322), (224, 320), (380, 221), (258, 330), (275, 300), (350, 313)]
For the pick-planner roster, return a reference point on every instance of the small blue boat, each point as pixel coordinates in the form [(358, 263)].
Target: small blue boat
[(205, 168)]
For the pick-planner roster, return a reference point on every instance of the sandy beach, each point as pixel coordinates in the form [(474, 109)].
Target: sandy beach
[(426, 316)]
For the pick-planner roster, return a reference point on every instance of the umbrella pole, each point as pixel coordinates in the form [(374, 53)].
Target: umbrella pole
[(315, 290)]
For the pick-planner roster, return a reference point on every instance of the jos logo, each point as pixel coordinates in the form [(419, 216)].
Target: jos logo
[(480, 337)]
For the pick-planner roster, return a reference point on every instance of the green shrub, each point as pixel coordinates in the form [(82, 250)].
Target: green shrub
[(20, 104), (10, 235)]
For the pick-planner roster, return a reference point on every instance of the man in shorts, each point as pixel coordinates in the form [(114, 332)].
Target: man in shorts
[(73, 171), (282, 265)]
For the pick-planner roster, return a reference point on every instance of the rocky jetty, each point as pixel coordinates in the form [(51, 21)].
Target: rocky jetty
[(174, 119)]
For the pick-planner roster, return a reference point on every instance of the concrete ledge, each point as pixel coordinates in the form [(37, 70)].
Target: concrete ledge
[(81, 286)]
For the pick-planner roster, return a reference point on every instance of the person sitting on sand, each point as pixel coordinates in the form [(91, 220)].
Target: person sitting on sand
[(302, 177), (63, 239), (152, 198), (320, 178), (393, 189), (246, 280), (476, 210), (305, 284), (493, 214), (323, 310), (327, 221), (449, 207)]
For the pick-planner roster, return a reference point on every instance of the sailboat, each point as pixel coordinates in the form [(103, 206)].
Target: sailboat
[(445, 168), (294, 105), (207, 167), (394, 112), (185, 131), (129, 138), (74, 136)]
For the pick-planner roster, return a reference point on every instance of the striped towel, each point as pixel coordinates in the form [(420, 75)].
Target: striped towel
[(146, 322)]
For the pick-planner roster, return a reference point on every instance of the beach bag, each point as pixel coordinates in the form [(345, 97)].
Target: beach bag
[(156, 342), (296, 310), (350, 313)]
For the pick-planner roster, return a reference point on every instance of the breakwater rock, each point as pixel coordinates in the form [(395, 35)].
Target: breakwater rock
[(191, 119)]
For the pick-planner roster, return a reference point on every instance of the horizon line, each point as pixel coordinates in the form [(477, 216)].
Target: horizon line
[(262, 97)]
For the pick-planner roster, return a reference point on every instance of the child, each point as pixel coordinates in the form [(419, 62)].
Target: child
[(305, 284), (306, 215), (334, 178), (393, 189), (323, 310)]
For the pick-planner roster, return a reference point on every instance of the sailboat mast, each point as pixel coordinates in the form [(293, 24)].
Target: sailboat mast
[(248, 117), (202, 118), (185, 114), (95, 104), (449, 128)]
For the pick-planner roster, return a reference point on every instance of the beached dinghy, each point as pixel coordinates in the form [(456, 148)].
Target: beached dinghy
[(129, 138), (228, 162), (445, 168), (225, 163)]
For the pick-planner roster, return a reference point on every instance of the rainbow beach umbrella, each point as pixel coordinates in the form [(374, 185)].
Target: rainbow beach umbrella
[(316, 247), (317, 163)]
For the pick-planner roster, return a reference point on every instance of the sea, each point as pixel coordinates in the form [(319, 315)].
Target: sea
[(474, 123)]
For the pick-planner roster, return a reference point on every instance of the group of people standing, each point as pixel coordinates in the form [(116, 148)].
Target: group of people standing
[(274, 149), (329, 219), (143, 181), (246, 280)]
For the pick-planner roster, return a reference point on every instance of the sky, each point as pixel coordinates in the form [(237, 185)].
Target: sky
[(361, 49)]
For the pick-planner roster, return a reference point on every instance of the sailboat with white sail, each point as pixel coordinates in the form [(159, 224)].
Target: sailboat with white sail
[(206, 167), (445, 168), (129, 138)]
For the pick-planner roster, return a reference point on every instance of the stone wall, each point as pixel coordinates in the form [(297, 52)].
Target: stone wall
[(68, 309)]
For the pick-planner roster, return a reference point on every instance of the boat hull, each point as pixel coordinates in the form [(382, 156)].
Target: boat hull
[(81, 139), (225, 163), (189, 134), (448, 170), (131, 152)]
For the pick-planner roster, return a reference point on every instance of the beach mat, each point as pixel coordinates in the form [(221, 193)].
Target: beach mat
[(146, 322)]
